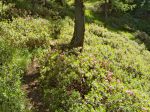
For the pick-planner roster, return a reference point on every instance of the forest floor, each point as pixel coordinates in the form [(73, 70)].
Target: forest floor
[(31, 87)]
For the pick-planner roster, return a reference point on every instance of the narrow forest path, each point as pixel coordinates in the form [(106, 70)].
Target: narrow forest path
[(33, 91)]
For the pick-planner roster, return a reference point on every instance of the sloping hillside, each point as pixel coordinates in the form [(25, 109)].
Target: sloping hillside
[(38, 72)]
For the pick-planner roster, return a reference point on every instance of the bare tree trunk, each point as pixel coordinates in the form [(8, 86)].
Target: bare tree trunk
[(106, 10), (79, 28)]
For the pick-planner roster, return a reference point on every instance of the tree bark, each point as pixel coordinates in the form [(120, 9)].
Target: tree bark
[(79, 28), (106, 10)]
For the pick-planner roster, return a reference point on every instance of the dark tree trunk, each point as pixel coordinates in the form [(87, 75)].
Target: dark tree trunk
[(106, 10), (79, 28)]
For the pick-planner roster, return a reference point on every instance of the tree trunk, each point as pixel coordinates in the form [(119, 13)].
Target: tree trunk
[(106, 10), (79, 28)]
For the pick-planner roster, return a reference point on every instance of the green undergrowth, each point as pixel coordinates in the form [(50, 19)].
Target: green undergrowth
[(111, 74), (20, 41), (24, 8), (12, 65)]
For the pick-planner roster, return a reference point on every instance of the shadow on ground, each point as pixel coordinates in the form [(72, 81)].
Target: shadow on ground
[(34, 92)]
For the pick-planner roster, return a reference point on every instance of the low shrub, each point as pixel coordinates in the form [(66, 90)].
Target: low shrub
[(26, 33), (12, 65), (108, 76), (12, 98)]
